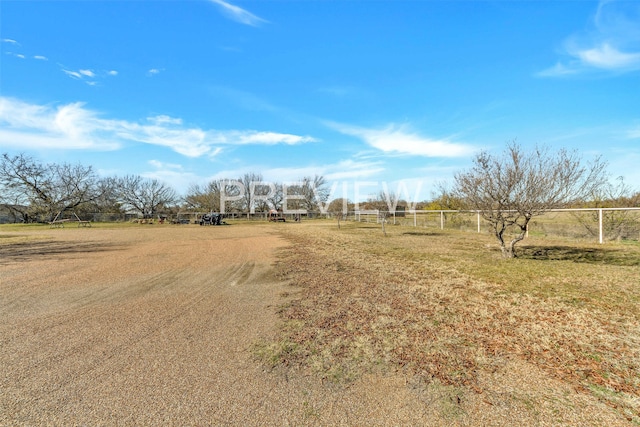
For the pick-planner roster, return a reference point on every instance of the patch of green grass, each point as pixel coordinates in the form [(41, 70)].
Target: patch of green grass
[(628, 404), (275, 353)]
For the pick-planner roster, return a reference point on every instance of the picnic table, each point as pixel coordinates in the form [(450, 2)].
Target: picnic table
[(59, 223)]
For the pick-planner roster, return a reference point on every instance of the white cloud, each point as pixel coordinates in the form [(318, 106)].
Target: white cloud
[(70, 126), (161, 165), (153, 71), (86, 75), (351, 169), (74, 74), (238, 14), (269, 138), (73, 126), (612, 44), (40, 58), (558, 70), (163, 119), (188, 142), (195, 142), (82, 75), (11, 41), (341, 171), (395, 139), (608, 57)]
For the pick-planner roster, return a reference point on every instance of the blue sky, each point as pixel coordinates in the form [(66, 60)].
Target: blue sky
[(367, 91)]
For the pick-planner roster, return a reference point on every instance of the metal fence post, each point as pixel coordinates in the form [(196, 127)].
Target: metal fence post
[(600, 225)]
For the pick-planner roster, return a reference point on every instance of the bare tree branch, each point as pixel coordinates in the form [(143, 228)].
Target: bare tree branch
[(508, 190)]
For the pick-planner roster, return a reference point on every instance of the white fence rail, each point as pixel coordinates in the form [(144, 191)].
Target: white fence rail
[(603, 223)]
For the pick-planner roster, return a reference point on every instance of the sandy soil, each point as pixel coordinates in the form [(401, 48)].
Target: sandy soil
[(156, 324)]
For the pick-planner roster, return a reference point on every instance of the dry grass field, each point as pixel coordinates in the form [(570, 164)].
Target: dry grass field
[(308, 324)]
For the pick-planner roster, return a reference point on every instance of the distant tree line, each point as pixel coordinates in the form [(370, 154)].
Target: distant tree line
[(250, 193), (31, 191), (507, 189)]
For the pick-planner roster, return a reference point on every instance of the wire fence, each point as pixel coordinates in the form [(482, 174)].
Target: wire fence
[(600, 224), (603, 224)]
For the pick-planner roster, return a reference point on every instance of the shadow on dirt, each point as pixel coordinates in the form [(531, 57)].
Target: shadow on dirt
[(421, 233), (586, 255), (27, 251)]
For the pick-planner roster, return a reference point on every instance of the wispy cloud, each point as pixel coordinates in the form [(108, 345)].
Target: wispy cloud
[(353, 169), (267, 138), (73, 126), (153, 71), (399, 139), (15, 44), (243, 99), (610, 44), (196, 142), (161, 165), (238, 14), (88, 76), (74, 74), (340, 171)]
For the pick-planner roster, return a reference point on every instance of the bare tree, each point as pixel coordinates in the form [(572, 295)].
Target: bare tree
[(32, 189), (276, 198), (248, 180), (386, 201), (444, 198), (510, 189), (75, 185), (315, 191), (206, 198), (24, 183), (105, 200), (339, 208), (308, 194), (145, 196)]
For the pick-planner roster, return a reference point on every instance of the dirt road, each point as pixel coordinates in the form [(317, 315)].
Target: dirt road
[(155, 325)]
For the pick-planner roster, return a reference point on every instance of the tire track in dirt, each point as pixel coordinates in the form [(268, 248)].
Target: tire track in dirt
[(92, 336)]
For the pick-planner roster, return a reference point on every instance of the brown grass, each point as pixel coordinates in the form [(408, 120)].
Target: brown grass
[(443, 307)]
